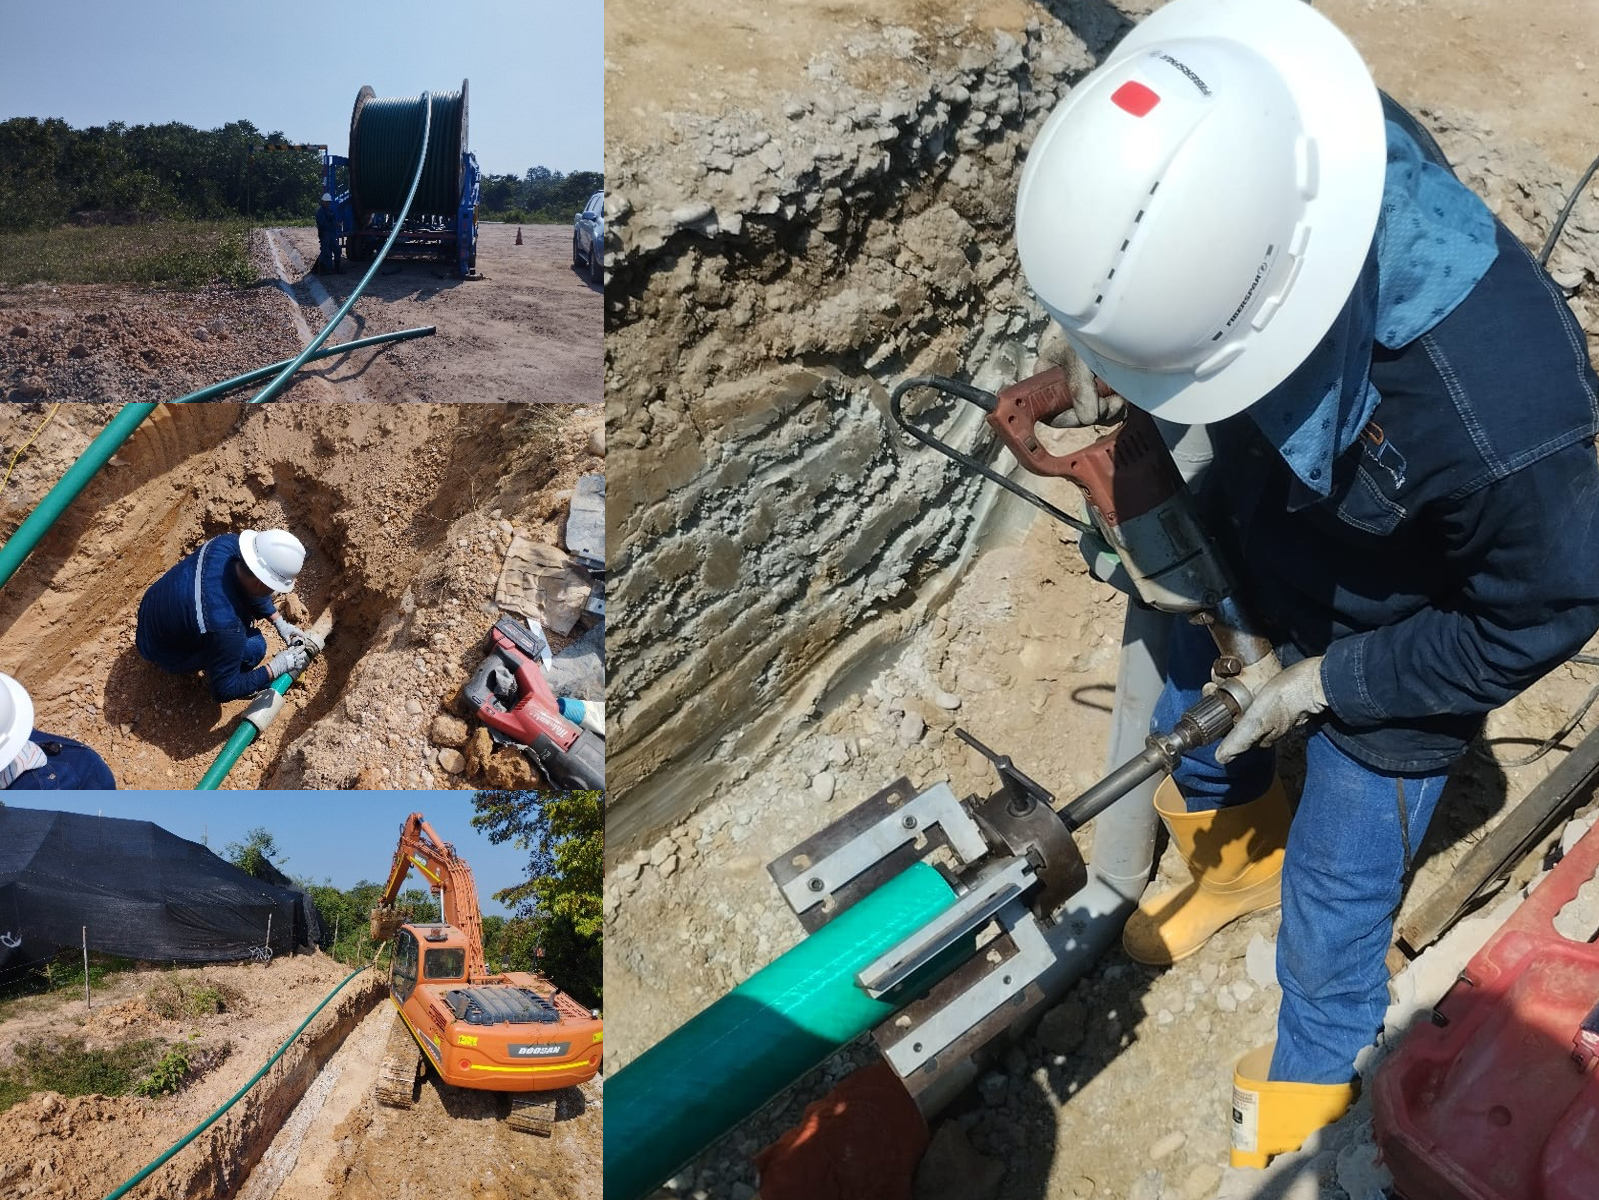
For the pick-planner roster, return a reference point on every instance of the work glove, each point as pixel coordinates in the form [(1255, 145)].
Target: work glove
[(292, 659), (285, 631), (1093, 401), (1289, 698)]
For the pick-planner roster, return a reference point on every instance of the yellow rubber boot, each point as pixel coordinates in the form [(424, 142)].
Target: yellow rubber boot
[(1236, 858), (1272, 1117)]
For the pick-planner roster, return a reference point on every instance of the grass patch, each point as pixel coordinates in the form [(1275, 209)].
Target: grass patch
[(64, 972), (66, 1066), (182, 254), (532, 216), (168, 998)]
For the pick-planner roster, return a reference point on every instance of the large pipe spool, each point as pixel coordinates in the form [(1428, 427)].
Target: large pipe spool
[(384, 137)]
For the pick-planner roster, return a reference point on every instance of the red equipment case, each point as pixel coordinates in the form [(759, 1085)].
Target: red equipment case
[(1498, 1098)]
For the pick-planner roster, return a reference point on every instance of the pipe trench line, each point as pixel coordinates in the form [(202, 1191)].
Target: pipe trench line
[(123, 1188), (106, 443)]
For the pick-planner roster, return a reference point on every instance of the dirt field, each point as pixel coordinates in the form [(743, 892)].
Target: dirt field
[(406, 512), (310, 1129), (1124, 1097), (528, 331), (340, 1144)]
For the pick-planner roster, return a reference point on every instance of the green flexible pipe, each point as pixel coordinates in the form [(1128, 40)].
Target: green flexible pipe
[(125, 1187), (689, 1089), (282, 381), (382, 134), (106, 443), (237, 744)]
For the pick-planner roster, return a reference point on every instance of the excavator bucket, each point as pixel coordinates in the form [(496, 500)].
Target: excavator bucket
[(385, 923)]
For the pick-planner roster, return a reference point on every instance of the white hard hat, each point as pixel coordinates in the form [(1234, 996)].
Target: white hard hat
[(16, 719), (1197, 210), (274, 556), (326, 198)]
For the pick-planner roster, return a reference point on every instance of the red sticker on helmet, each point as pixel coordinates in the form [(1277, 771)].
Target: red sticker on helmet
[(1134, 98)]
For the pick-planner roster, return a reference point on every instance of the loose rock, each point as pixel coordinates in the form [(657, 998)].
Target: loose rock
[(448, 731)]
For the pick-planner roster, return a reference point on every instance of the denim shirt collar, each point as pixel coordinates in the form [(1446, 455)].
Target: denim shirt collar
[(1434, 242)]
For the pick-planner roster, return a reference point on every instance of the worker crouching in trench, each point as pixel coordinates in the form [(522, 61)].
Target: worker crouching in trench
[(1229, 231), (200, 615)]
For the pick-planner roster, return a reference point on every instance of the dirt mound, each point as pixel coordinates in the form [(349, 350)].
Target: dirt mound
[(110, 343), (406, 513)]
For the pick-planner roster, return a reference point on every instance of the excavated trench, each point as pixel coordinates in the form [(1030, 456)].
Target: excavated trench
[(58, 1148), (340, 1144), (233, 1148), (403, 512)]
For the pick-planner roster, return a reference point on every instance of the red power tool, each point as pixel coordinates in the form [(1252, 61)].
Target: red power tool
[(1137, 502), (509, 694)]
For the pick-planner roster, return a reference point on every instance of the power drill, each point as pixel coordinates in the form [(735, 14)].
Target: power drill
[(1138, 503)]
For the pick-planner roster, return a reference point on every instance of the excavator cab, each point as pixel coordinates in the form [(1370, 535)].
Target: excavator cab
[(438, 950), (402, 975)]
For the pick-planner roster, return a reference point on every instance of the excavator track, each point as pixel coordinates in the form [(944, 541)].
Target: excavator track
[(533, 1112), (402, 1063)]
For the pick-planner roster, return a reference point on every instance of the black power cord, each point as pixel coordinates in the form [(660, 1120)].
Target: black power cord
[(1560, 221), (1549, 743)]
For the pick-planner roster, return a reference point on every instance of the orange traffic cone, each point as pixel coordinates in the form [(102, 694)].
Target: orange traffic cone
[(518, 235)]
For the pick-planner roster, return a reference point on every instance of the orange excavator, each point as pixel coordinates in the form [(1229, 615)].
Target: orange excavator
[(514, 1032)]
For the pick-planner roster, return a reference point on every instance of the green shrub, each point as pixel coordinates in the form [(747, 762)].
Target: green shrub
[(166, 1076)]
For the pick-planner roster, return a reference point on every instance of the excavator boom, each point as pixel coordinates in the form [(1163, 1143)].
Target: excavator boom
[(448, 877)]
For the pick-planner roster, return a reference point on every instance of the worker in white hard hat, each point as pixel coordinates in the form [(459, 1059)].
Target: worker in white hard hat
[(200, 615), (36, 761), (1231, 227), (327, 232)]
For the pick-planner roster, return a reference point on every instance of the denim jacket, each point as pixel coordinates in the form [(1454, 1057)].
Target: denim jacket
[(1456, 559)]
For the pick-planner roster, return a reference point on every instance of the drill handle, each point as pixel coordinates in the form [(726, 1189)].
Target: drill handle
[(1020, 407)]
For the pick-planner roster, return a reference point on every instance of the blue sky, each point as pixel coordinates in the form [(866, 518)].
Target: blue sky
[(338, 837), (536, 95)]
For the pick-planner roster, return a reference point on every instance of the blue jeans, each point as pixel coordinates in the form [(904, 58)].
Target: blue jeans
[(1343, 874)]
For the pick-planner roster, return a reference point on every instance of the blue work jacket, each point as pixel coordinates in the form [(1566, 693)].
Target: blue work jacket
[(199, 617), (1456, 560), (70, 766)]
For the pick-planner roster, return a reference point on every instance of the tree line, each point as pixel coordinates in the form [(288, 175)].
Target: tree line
[(541, 195), (52, 174)]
